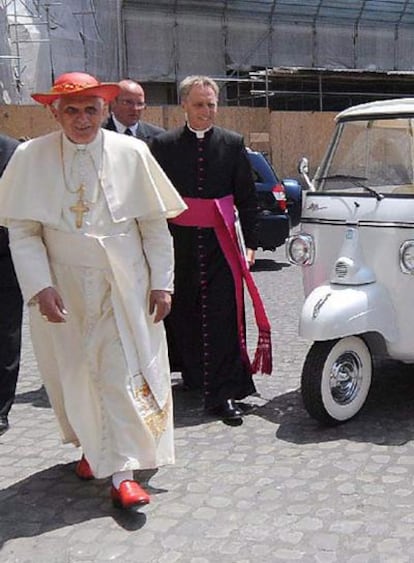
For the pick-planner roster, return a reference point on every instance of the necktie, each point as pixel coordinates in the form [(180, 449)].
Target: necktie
[(128, 131)]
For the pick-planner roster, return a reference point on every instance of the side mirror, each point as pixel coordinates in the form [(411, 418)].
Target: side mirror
[(303, 169), (303, 166)]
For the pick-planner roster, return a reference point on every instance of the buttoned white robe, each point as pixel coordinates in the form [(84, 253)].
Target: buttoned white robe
[(106, 369)]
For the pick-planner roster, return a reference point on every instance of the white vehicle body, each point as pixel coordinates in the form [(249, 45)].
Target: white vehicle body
[(356, 248)]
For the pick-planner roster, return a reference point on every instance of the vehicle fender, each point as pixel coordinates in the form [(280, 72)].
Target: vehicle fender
[(334, 311)]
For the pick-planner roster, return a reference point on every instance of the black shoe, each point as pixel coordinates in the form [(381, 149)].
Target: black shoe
[(228, 412), (4, 424)]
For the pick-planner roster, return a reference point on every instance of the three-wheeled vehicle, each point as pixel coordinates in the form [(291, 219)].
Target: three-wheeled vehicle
[(356, 249)]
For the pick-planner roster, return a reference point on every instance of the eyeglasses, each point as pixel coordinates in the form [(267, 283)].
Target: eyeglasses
[(132, 103)]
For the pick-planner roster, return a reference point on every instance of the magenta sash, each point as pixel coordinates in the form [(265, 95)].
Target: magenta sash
[(219, 215)]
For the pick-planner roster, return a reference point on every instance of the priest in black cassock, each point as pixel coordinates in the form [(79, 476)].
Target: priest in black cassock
[(209, 167)]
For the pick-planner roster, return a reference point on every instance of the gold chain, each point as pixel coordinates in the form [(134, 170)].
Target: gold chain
[(65, 180)]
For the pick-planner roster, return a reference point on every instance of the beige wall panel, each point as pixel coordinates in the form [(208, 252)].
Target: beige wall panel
[(154, 114), (26, 121), (285, 136), (244, 120), (297, 134), (173, 116)]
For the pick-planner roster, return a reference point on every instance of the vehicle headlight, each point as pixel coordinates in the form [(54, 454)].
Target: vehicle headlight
[(300, 249), (407, 257)]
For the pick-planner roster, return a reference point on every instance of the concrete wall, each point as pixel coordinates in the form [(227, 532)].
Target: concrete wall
[(285, 136)]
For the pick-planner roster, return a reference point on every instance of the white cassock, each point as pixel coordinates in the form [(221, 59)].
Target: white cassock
[(106, 369)]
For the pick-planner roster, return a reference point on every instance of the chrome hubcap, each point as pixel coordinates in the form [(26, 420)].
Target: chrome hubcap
[(345, 378)]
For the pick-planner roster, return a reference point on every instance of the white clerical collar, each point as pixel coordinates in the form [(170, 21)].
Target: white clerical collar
[(199, 132), (93, 145), (121, 128)]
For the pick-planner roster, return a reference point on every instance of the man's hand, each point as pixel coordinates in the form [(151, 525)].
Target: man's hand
[(160, 303), (250, 256), (51, 306)]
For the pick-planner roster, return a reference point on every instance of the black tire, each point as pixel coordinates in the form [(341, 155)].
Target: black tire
[(336, 379)]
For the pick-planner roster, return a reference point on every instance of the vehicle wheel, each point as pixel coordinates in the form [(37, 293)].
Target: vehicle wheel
[(336, 378)]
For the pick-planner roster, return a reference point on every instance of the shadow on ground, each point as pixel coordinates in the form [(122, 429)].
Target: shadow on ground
[(37, 398), (387, 417), (188, 406), (55, 498), (267, 265)]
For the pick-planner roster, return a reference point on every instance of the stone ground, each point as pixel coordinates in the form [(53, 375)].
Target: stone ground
[(279, 488)]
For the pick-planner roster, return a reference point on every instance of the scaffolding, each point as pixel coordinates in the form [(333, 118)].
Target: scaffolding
[(263, 52), (44, 38), (18, 21), (237, 41)]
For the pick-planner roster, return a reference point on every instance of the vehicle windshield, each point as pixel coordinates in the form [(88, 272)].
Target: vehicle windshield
[(372, 156)]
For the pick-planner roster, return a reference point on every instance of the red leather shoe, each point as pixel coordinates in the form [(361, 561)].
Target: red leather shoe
[(83, 470), (128, 495)]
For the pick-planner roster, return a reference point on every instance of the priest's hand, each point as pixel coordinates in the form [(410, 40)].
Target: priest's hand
[(51, 306), (250, 257), (160, 304)]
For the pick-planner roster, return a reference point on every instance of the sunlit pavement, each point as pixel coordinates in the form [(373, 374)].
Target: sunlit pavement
[(277, 488)]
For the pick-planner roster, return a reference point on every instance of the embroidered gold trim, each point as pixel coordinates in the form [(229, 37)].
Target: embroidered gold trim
[(155, 418)]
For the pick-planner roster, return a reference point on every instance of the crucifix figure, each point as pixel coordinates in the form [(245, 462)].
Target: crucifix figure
[(80, 208)]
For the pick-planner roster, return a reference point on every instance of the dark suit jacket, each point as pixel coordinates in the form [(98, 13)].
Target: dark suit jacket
[(145, 131), (7, 274)]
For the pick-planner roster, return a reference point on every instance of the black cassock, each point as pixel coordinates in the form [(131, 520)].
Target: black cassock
[(202, 327)]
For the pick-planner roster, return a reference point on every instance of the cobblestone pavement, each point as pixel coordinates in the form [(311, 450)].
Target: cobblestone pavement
[(277, 488)]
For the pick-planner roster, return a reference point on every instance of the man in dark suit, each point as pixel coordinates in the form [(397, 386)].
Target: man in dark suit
[(126, 111), (11, 310)]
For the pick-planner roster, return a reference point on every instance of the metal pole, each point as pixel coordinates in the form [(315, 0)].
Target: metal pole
[(120, 33), (48, 27), (17, 68), (320, 92), (52, 72)]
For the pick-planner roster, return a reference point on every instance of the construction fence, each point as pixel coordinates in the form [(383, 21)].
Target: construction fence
[(284, 136)]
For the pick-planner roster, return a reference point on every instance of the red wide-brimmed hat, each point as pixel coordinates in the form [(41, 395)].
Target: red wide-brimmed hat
[(78, 84)]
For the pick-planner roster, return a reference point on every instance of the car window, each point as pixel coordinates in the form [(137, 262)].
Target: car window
[(257, 177), (263, 172), (373, 152)]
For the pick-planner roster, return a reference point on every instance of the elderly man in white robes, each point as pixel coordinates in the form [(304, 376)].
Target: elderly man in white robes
[(87, 214)]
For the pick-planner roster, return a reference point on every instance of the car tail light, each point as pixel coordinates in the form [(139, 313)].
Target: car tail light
[(280, 196)]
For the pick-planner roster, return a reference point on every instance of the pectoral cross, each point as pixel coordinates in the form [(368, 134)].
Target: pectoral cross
[(80, 208)]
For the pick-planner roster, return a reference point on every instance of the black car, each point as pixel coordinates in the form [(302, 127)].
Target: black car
[(280, 202)]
